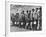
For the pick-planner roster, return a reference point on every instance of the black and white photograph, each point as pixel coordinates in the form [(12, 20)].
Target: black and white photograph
[(22, 18), (25, 18)]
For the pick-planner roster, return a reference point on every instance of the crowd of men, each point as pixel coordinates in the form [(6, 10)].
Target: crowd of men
[(30, 20)]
